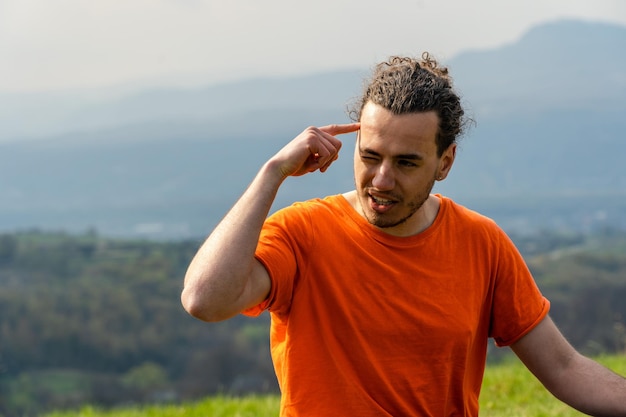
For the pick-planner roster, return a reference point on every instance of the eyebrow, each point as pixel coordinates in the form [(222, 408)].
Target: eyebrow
[(408, 156)]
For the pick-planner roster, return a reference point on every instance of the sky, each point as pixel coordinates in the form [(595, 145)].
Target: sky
[(59, 45)]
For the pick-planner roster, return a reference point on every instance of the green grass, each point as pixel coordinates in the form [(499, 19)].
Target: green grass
[(218, 406), (509, 389)]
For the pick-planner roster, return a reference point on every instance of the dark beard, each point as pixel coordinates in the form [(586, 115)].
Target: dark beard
[(381, 222)]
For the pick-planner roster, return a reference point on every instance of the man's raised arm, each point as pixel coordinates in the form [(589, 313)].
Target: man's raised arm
[(224, 278)]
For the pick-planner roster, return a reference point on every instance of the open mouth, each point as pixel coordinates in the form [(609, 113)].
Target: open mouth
[(381, 205)]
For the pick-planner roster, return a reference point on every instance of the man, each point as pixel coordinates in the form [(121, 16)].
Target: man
[(382, 299)]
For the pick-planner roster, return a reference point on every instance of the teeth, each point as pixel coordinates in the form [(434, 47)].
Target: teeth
[(381, 201)]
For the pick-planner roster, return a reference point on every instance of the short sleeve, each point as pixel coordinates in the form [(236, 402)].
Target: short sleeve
[(518, 305), (278, 248)]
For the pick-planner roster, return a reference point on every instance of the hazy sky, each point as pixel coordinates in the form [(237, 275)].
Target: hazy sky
[(58, 44)]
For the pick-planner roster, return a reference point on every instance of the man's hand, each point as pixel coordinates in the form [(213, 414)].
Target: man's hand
[(315, 148)]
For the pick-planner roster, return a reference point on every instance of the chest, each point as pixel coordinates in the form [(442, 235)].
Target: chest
[(421, 295)]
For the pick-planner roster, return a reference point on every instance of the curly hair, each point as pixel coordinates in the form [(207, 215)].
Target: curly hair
[(407, 85)]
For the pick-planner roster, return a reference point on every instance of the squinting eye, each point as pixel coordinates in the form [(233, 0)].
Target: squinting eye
[(408, 164)]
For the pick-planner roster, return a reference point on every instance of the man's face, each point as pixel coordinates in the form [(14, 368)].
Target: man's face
[(395, 167)]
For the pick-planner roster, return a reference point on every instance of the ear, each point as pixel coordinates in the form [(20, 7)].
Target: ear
[(445, 162)]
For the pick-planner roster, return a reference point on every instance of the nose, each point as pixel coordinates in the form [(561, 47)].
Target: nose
[(383, 177)]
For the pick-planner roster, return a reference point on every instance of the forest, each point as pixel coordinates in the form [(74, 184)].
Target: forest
[(92, 319)]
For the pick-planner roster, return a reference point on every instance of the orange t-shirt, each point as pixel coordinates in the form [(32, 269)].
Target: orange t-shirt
[(368, 324)]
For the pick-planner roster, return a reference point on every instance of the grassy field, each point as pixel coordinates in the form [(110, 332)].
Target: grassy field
[(511, 390), (219, 406), (508, 390)]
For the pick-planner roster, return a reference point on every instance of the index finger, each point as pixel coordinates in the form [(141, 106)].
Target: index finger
[(339, 129)]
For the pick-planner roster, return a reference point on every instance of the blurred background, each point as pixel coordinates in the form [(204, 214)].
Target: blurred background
[(127, 130)]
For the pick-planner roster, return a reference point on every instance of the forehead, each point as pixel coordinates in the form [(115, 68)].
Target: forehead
[(398, 133)]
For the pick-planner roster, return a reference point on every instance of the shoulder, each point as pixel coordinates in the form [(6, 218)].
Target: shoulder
[(309, 213), (470, 224), (463, 215), (328, 204)]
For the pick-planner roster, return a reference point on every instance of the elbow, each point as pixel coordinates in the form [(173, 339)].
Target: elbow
[(191, 304), (202, 308)]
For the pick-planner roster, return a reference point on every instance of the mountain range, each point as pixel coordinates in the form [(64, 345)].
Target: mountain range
[(546, 150)]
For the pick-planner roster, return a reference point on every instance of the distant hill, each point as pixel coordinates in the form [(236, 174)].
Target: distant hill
[(168, 163), (549, 113)]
